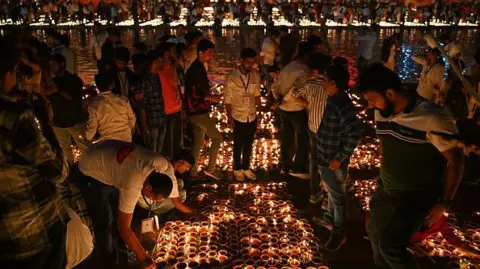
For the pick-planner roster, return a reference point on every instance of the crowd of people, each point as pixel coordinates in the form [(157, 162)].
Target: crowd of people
[(345, 11), (133, 160)]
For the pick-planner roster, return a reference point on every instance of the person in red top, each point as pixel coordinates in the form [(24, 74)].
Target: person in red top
[(173, 105)]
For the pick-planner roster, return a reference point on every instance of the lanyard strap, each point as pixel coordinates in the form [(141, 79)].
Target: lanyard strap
[(148, 204), (245, 86)]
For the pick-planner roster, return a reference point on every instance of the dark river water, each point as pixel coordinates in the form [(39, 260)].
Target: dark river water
[(343, 42)]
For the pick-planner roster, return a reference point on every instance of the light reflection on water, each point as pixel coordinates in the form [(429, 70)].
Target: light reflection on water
[(228, 45)]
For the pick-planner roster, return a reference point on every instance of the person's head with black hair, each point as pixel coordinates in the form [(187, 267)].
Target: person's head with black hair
[(383, 90), (157, 186), (170, 48), (193, 37), (248, 58), (183, 161), (319, 63), (105, 82), (273, 72), (139, 61), (304, 50), (140, 47), (341, 61), (205, 50), (180, 30), (10, 57), (122, 57), (155, 60), (57, 64), (336, 80)]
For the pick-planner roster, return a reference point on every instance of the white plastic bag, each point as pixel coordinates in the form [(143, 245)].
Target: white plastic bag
[(79, 240)]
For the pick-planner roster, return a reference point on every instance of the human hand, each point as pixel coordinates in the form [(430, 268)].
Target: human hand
[(437, 211), (334, 164)]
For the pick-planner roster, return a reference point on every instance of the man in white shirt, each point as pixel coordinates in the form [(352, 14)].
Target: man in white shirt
[(268, 54), (366, 43), (315, 97), (430, 84), (109, 115), (293, 116), (117, 168), (242, 97), (97, 41)]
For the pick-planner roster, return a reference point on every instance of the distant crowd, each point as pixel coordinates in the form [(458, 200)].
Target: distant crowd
[(343, 11)]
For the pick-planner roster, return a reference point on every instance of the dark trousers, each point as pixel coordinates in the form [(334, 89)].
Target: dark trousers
[(294, 127), (54, 257), (173, 141), (395, 217), (243, 136), (313, 168), (102, 205)]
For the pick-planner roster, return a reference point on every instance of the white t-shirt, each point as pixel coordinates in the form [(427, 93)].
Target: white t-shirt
[(125, 166)]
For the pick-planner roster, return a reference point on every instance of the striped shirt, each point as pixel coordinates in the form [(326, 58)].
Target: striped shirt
[(316, 96)]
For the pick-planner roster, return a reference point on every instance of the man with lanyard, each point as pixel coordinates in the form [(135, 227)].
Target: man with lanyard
[(126, 172), (431, 79), (97, 41), (181, 163), (420, 169), (242, 98)]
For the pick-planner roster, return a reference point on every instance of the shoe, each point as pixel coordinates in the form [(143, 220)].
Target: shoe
[(320, 222), (335, 242), (217, 175), (239, 176), (316, 198), (300, 175), (249, 175)]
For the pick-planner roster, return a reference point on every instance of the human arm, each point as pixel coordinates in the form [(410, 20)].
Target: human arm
[(33, 148), (131, 116), (351, 133), (92, 123), (181, 206), (420, 59), (444, 124), (124, 221)]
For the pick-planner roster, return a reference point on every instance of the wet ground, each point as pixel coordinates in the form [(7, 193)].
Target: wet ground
[(357, 252)]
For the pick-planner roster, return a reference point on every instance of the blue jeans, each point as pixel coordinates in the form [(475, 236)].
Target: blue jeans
[(335, 183), (158, 137)]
